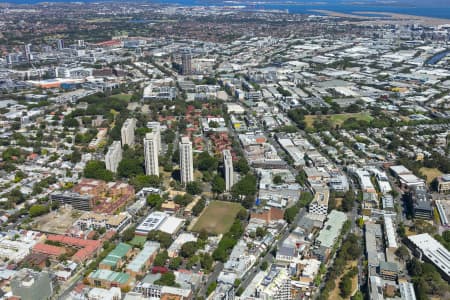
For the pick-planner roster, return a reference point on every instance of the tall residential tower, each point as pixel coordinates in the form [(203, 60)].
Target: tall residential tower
[(186, 160), (228, 169), (151, 154), (113, 156), (127, 132)]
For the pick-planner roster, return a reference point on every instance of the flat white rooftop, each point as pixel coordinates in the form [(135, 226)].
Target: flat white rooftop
[(433, 250)]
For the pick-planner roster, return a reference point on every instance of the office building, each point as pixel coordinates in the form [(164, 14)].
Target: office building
[(151, 154), (432, 251), (228, 169), (186, 160), (127, 132), (186, 61), (113, 156), (31, 285), (421, 202), (92, 220), (76, 200)]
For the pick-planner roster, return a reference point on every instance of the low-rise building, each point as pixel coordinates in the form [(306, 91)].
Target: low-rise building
[(92, 220), (432, 251), (107, 279), (117, 257), (143, 260), (329, 234)]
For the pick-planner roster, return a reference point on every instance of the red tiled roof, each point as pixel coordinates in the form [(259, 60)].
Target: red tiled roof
[(48, 249)]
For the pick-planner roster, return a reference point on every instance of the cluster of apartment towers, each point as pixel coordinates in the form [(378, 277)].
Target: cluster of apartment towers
[(152, 149)]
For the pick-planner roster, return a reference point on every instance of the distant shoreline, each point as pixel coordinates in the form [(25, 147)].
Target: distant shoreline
[(434, 15), (384, 17)]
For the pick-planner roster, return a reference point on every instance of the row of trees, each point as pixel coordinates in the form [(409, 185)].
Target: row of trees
[(349, 250)]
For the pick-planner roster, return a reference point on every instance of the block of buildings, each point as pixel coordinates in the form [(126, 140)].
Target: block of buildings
[(92, 220), (432, 251), (117, 257), (329, 234), (143, 260), (107, 279), (85, 249), (421, 202), (159, 221)]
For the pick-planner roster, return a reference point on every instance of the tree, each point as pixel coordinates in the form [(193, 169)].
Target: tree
[(260, 232), (163, 238), (206, 162), (211, 288), (402, 253), (160, 259), (345, 286), (198, 207), (188, 249), (241, 166), (244, 187), (97, 170), (348, 201), (129, 167), (264, 265), (277, 179), (155, 200), (175, 263), (290, 213), (140, 181), (167, 279), (218, 184), (192, 261), (358, 296), (206, 261), (37, 210), (128, 234), (193, 188), (183, 200)]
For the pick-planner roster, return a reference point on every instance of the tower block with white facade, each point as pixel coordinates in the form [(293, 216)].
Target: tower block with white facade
[(151, 154), (186, 160), (127, 132), (113, 156), (228, 168)]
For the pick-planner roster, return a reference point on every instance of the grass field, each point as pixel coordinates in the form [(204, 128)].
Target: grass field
[(431, 173), (217, 217), (338, 119), (123, 97)]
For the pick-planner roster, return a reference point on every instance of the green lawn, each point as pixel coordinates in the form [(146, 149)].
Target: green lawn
[(338, 119), (217, 217), (123, 97)]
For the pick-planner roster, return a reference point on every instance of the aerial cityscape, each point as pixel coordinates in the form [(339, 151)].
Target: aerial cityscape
[(225, 150)]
